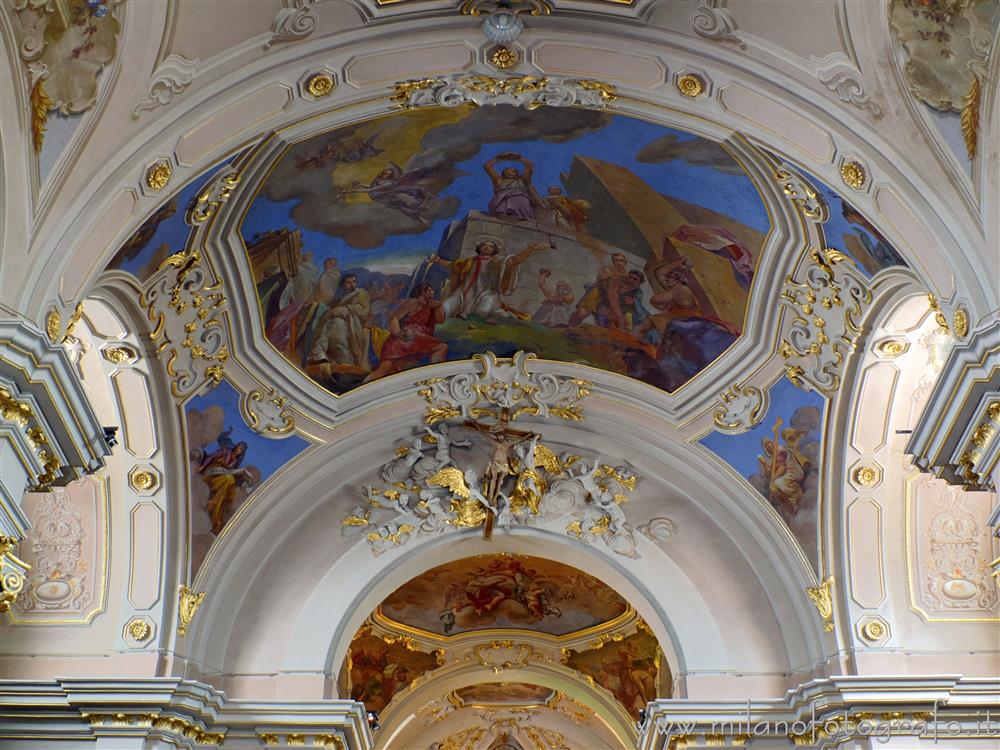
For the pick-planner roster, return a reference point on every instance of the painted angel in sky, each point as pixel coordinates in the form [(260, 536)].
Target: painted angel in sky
[(407, 192)]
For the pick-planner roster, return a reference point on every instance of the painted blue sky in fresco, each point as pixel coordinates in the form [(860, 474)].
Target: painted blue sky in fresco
[(172, 231), (266, 454), (741, 451), (618, 142)]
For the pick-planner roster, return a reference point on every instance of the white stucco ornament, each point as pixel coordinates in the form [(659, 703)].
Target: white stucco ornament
[(516, 480), (528, 91)]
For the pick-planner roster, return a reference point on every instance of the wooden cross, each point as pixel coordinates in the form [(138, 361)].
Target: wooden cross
[(503, 439)]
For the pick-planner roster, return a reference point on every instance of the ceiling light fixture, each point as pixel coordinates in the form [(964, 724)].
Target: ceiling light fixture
[(501, 24)]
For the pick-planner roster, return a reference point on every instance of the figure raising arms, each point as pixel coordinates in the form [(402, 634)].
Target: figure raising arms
[(513, 195)]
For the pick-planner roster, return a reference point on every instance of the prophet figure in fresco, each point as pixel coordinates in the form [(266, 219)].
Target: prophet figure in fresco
[(478, 282), (342, 344), (783, 467), (221, 470), (296, 294), (513, 195), (411, 334)]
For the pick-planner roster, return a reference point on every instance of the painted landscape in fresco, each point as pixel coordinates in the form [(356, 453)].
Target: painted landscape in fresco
[(629, 668), (504, 694), (379, 670), (781, 459), (503, 591), (437, 233), (228, 461)]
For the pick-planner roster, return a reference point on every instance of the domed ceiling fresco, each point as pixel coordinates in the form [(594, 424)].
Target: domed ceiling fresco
[(503, 591), (436, 233), (505, 596)]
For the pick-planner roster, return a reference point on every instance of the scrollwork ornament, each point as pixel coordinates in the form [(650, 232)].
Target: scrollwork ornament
[(13, 573), (266, 413), (848, 88), (827, 308), (803, 195), (743, 407), (715, 23), (184, 303), (527, 91), (170, 78), (503, 384), (294, 22)]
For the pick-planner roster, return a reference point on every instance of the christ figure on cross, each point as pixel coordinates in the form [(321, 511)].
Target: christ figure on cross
[(502, 439)]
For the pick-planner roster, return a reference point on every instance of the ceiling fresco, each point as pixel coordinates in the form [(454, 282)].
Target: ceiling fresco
[(436, 233), (503, 591), (227, 462), (781, 457), (377, 670), (632, 669), (504, 694)]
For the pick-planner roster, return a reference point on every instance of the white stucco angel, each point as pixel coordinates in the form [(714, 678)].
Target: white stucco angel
[(443, 442), (401, 467)]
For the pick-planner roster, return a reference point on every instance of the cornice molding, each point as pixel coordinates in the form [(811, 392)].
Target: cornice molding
[(185, 713), (958, 434), (46, 419), (824, 713)]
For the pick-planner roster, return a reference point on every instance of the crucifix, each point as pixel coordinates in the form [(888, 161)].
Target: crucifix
[(503, 439)]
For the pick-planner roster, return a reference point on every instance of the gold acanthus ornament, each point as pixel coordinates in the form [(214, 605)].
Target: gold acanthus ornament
[(23, 415), (119, 355), (960, 323), (188, 603), (939, 316), (53, 325), (526, 91), (12, 572), (827, 307), (822, 597)]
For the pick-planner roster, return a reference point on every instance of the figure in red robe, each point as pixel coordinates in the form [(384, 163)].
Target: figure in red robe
[(411, 329)]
